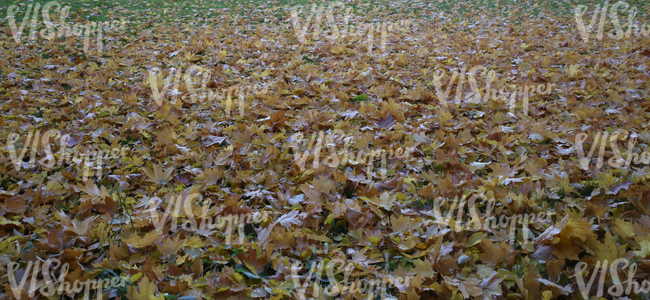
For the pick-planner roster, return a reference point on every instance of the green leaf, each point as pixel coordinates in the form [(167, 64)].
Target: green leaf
[(240, 268), (361, 98)]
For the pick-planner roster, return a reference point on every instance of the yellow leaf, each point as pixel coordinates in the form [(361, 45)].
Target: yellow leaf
[(623, 229), (138, 161), (222, 54), (475, 238), (572, 70), (645, 248), (572, 237), (385, 200), (144, 133), (158, 174), (607, 250), (200, 282), (277, 297), (401, 196), (456, 296), (147, 291), (135, 277), (493, 143), (445, 115), (181, 259), (410, 180), (4, 221), (194, 242), (141, 242)]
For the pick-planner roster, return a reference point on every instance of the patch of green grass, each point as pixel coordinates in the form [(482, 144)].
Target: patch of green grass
[(148, 14), (149, 10), (192, 10)]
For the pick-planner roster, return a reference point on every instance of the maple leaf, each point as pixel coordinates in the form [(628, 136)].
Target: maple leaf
[(493, 255), (572, 70), (210, 176), (423, 268), (170, 246), (573, 238), (402, 223), (146, 291), (504, 173), (277, 120), (385, 200), (289, 219), (92, 190), (254, 263), (158, 174), (296, 199), (152, 270), (616, 189), (286, 220), (623, 229), (468, 287), (349, 114), (607, 250), (491, 286), (53, 241), (386, 122), (140, 242), (81, 227), (359, 179), (312, 194), (552, 231), (555, 289), (645, 247), (210, 140)]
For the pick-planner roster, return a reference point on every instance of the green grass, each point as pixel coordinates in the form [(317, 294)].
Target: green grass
[(150, 10), (152, 13), (164, 10)]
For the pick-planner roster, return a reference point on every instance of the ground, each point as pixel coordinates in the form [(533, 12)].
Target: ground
[(479, 149)]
